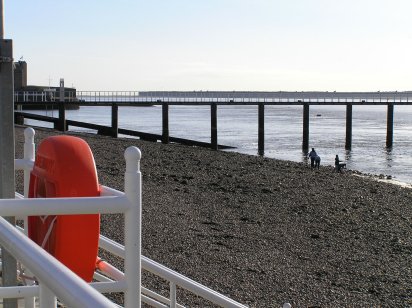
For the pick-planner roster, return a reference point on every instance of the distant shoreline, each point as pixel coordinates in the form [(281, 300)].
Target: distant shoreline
[(388, 181)]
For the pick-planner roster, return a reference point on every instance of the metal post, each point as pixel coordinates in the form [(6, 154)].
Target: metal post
[(46, 296), (62, 110), (115, 120), (261, 129), (172, 295), (348, 141), (133, 228), (29, 149), (389, 128), (7, 184), (213, 126), (305, 139), (165, 122)]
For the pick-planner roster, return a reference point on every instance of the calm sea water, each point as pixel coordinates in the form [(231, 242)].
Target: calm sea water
[(237, 126)]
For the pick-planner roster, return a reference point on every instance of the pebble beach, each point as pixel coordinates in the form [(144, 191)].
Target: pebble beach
[(262, 231)]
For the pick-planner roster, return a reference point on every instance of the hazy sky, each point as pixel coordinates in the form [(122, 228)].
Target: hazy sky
[(351, 45)]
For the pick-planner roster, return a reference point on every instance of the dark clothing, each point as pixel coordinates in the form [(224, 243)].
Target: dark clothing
[(312, 156), (317, 161), (338, 164)]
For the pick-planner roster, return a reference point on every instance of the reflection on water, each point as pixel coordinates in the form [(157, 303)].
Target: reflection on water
[(305, 158), (348, 155), (388, 153)]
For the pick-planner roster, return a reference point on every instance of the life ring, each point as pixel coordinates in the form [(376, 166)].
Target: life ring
[(65, 167)]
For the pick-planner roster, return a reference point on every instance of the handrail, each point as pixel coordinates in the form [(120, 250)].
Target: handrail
[(71, 289), (208, 97), (188, 284), (172, 276), (57, 280), (63, 206), (41, 263), (19, 291)]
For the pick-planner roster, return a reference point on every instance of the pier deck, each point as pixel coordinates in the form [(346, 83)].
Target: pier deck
[(212, 99), (134, 98)]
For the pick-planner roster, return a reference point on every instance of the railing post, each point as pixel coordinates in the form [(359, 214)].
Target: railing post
[(261, 129), (389, 128), (172, 295), (348, 141), (165, 122), (133, 228), (305, 138), (29, 302), (29, 150), (115, 120), (213, 126), (46, 296)]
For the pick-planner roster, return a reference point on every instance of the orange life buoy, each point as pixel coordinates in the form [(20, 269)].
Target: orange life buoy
[(65, 167)]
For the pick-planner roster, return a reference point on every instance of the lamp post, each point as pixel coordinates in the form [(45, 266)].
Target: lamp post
[(7, 185)]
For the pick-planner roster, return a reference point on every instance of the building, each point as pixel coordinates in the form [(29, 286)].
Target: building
[(20, 75)]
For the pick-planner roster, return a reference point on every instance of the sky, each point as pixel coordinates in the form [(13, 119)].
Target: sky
[(241, 45)]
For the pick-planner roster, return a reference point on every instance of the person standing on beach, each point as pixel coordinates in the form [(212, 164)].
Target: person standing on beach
[(317, 161), (337, 164), (312, 156)]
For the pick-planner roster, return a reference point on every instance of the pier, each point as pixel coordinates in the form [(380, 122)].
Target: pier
[(214, 99)]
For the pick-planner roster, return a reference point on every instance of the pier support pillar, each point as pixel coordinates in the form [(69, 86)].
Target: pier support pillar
[(61, 123), (165, 122), (18, 119), (115, 121), (213, 126), (389, 129), (61, 126), (261, 129), (305, 138), (348, 140)]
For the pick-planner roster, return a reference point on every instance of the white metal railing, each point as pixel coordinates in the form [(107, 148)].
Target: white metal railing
[(173, 277), (129, 204), (205, 97), (53, 277), (55, 280), (158, 97), (44, 96)]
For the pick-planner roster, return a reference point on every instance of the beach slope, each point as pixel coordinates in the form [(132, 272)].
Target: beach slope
[(264, 231)]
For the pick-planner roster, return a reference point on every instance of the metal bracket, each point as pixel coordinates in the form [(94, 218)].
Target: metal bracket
[(6, 59)]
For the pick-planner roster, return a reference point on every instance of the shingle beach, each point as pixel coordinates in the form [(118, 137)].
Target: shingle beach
[(264, 231)]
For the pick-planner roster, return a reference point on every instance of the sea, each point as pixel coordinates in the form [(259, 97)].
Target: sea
[(238, 127)]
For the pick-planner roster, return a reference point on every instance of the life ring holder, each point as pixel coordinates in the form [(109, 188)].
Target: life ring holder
[(65, 167)]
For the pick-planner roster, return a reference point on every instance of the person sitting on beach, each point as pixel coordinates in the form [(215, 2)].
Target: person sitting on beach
[(317, 161), (312, 155), (338, 164)]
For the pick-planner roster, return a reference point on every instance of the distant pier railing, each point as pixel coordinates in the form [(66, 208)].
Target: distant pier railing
[(224, 98), (213, 99)]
